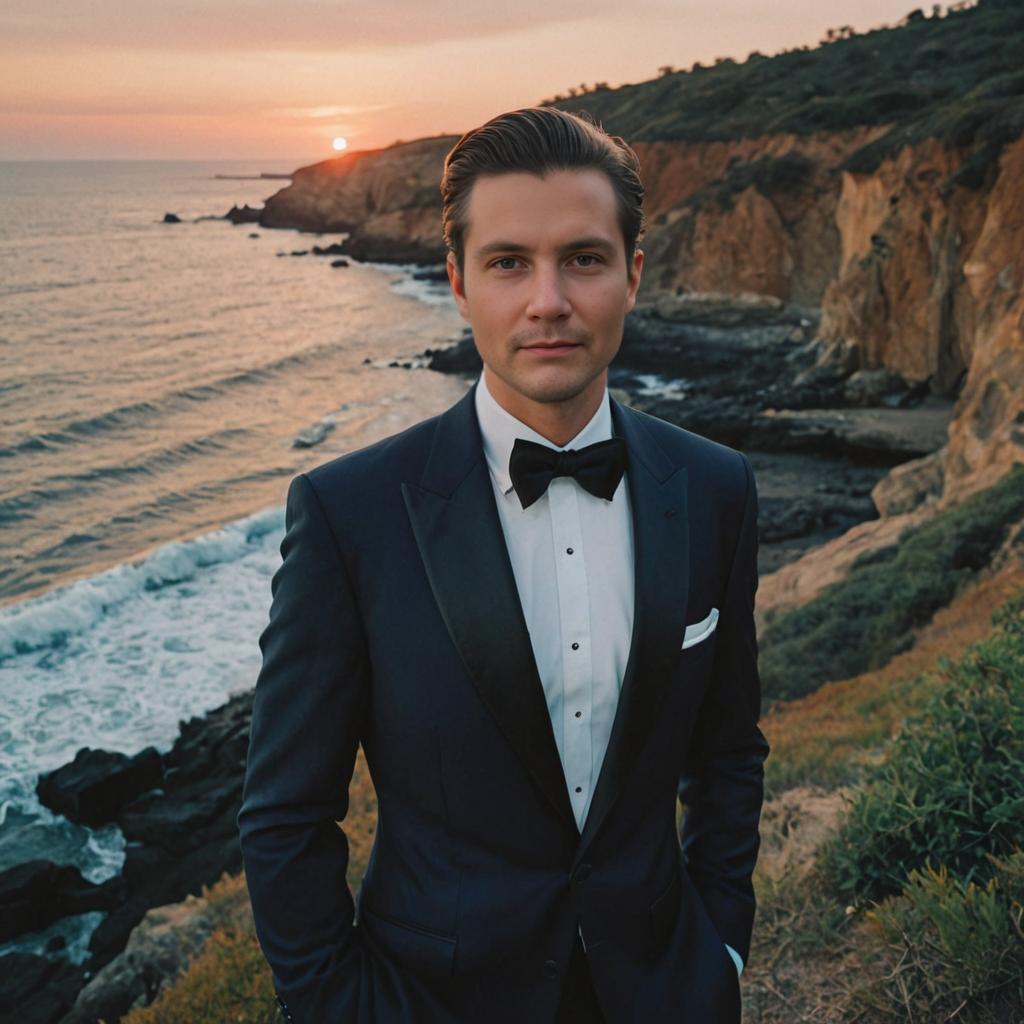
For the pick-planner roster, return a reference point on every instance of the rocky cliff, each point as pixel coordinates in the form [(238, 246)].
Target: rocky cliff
[(388, 200), (931, 285)]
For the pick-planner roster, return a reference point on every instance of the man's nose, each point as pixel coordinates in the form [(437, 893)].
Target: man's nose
[(548, 300)]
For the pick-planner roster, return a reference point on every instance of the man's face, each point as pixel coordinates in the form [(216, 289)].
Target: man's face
[(546, 286)]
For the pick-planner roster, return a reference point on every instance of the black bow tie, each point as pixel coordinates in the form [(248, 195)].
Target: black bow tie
[(598, 467)]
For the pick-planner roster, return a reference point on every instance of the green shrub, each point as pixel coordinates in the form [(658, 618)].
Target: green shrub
[(791, 172), (955, 949), (952, 789), (860, 622)]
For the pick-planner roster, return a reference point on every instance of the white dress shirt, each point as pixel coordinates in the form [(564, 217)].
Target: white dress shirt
[(572, 558)]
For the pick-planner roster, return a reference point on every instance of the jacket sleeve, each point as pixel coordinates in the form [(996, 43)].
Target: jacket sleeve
[(310, 696), (722, 783)]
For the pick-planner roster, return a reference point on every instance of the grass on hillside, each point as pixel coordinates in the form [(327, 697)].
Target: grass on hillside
[(860, 622), (827, 738)]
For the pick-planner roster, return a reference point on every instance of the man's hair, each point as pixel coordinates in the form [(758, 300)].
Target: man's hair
[(537, 140)]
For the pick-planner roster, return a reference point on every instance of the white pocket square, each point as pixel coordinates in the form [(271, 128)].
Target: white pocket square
[(700, 630)]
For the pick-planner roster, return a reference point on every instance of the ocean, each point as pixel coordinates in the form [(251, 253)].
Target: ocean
[(153, 378)]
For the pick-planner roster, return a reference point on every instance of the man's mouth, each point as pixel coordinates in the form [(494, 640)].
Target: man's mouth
[(551, 347)]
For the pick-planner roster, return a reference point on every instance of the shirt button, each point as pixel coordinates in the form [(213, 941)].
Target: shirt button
[(579, 713), (551, 969), (575, 647), (579, 789), (568, 551)]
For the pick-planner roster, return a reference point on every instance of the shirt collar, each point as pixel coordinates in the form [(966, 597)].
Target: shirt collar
[(499, 430)]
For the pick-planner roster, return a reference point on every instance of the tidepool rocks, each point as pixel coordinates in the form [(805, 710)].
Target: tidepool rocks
[(98, 783), (177, 812), (39, 892)]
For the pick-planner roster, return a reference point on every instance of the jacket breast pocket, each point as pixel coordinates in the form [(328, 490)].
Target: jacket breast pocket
[(424, 952)]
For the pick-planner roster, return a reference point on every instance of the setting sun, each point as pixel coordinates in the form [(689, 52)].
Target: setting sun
[(340, 143)]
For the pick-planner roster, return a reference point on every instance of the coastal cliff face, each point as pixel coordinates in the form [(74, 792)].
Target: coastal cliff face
[(931, 286), (387, 199), (913, 272), (747, 215)]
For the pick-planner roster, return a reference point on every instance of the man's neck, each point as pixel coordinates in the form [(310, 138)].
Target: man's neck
[(557, 422)]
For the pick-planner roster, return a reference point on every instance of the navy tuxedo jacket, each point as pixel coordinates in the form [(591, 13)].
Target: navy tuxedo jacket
[(395, 622)]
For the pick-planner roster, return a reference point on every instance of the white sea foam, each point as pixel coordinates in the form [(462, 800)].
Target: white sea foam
[(49, 620), (403, 282), (117, 662), (655, 385)]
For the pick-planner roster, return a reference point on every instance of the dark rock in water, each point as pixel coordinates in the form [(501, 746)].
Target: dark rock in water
[(312, 435), (334, 249), (254, 234), (244, 214), (39, 892), (391, 250), (439, 276), (171, 218), (462, 358), (186, 836), (300, 252), (339, 263), (34, 990), (97, 784)]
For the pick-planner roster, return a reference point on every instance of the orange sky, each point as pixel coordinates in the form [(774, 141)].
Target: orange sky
[(255, 79)]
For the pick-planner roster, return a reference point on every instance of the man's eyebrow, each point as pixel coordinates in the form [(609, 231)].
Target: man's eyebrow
[(593, 242)]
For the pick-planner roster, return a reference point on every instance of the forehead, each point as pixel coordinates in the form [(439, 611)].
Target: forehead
[(532, 210)]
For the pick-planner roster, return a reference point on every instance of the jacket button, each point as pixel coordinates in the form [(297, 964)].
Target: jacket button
[(582, 872), (551, 969)]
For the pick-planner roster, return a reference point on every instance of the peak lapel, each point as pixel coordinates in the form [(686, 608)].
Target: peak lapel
[(658, 496), (458, 532)]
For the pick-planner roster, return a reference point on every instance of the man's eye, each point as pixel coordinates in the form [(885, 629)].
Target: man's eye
[(505, 259), (587, 256)]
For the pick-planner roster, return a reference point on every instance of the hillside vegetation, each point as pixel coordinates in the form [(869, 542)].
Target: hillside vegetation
[(957, 77), (860, 622)]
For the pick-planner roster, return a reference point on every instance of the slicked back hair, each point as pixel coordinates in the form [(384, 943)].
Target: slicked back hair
[(537, 140)]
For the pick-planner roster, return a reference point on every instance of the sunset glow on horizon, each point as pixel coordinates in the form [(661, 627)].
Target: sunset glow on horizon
[(180, 80)]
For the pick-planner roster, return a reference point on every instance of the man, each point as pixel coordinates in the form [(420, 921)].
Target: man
[(538, 652)]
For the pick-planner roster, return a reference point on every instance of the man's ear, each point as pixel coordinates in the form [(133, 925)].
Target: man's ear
[(458, 285), (635, 271)]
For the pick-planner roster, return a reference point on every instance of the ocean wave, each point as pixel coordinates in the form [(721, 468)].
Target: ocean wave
[(137, 413), (49, 620), (71, 486)]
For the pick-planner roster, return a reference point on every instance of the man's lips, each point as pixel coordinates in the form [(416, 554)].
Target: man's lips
[(551, 346)]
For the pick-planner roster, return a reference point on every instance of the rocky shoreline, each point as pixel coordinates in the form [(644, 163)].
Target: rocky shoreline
[(177, 812)]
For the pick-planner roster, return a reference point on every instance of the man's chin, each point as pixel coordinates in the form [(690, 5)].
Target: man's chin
[(554, 392)]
